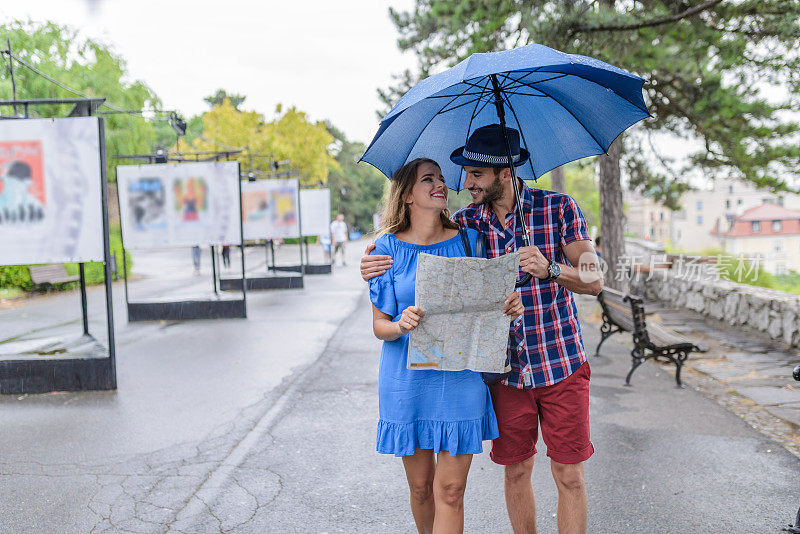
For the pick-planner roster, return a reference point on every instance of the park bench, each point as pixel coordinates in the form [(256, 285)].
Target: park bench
[(625, 313), (50, 274)]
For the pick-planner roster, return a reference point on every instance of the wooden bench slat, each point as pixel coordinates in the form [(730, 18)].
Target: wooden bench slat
[(50, 274)]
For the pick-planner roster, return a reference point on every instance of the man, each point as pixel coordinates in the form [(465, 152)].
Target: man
[(338, 237), (548, 387)]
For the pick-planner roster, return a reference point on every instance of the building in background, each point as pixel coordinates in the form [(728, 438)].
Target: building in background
[(647, 219), (768, 232), (703, 210)]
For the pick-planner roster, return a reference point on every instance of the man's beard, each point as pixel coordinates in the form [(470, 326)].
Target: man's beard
[(493, 193)]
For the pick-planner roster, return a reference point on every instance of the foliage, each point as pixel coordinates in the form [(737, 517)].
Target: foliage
[(87, 66), (356, 188), (291, 136), (581, 185), (17, 276), (705, 64), (221, 96)]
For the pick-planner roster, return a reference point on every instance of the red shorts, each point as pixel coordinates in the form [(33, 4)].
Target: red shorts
[(562, 411)]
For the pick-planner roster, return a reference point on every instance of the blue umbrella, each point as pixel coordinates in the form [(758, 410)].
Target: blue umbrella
[(565, 106)]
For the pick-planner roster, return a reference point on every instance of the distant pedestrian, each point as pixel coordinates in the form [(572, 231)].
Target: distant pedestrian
[(598, 248), (226, 256), (325, 241), (338, 237), (196, 259)]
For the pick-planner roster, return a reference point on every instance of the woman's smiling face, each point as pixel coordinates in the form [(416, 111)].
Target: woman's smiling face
[(430, 190)]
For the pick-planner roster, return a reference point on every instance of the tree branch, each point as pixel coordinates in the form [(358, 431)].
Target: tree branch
[(647, 24)]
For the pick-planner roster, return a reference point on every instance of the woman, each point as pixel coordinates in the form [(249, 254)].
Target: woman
[(424, 412)]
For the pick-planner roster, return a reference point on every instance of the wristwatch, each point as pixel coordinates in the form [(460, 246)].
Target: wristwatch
[(553, 271)]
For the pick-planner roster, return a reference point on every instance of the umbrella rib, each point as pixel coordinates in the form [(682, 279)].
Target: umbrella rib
[(519, 81), (450, 96), (609, 89), (522, 136), (429, 122), (469, 126), (605, 150), (443, 111)]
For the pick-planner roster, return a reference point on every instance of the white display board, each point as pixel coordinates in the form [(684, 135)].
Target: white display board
[(269, 209), (50, 191), (169, 205), (315, 211)]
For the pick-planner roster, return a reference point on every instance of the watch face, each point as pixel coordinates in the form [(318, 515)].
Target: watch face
[(555, 270)]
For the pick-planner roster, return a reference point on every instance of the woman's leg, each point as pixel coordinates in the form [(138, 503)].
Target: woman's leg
[(420, 469), (448, 492)]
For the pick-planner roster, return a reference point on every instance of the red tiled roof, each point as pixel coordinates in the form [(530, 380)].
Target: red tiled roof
[(764, 214), (768, 212)]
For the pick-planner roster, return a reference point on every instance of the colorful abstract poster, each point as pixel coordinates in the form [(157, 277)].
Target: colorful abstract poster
[(315, 211), (269, 209), (179, 204), (50, 191)]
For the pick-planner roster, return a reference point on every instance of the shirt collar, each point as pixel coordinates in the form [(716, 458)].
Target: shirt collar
[(485, 212)]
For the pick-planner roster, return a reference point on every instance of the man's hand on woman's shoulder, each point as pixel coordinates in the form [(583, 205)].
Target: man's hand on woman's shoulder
[(374, 265)]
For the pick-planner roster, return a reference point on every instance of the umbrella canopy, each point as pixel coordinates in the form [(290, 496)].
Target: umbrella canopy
[(565, 106)]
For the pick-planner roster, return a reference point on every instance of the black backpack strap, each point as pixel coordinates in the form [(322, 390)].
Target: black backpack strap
[(465, 241), (480, 246)]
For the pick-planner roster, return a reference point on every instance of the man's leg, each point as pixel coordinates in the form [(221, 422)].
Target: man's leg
[(420, 470), (564, 420), (519, 497), (517, 420), (572, 501), (449, 485)]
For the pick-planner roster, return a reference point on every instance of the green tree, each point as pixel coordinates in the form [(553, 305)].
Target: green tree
[(291, 136), (356, 189), (86, 66), (705, 65), (221, 96)]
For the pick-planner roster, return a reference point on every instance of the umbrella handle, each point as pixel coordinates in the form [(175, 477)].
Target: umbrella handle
[(524, 280)]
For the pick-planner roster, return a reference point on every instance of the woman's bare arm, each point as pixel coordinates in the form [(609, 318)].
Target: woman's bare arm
[(388, 330)]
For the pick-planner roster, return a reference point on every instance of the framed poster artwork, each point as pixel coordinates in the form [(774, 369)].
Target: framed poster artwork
[(50, 191)]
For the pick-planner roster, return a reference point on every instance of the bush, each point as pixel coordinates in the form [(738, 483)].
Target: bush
[(18, 277)]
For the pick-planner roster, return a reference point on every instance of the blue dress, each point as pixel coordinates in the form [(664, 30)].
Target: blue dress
[(424, 409)]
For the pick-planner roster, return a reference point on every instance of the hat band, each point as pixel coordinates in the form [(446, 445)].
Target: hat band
[(486, 158)]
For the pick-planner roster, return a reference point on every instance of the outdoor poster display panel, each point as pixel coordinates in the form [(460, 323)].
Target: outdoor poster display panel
[(50, 191), (169, 205), (269, 209), (315, 211)]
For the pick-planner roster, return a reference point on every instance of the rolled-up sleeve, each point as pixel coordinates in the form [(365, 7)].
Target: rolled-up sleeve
[(572, 225)]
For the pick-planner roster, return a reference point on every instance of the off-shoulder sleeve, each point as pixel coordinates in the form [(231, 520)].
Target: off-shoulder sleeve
[(381, 288)]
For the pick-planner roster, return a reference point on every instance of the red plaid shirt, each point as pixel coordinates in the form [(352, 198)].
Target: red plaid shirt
[(545, 344)]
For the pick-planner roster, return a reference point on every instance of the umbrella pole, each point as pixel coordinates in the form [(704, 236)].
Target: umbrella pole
[(501, 114)]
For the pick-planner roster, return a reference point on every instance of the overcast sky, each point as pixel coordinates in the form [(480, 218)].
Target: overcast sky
[(326, 57)]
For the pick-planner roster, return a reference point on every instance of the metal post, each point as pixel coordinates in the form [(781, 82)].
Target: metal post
[(300, 229), (125, 271), (241, 238), (501, 114), (84, 305), (107, 256), (11, 74), (214, 268), (272, 253)]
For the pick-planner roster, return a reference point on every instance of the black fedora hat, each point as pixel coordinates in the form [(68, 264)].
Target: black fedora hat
[(486, 148)]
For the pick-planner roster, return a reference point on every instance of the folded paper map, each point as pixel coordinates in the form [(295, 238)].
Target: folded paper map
[(464, 326)]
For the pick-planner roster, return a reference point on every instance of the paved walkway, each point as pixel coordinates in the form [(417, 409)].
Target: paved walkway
[(267, 425)]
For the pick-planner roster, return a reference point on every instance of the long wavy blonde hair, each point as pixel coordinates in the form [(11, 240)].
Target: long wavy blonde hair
[(396, 215)]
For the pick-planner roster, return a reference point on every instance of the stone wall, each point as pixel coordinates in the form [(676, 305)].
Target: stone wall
[(774, 312)]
